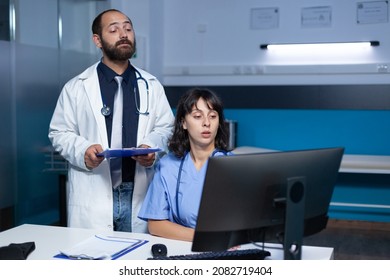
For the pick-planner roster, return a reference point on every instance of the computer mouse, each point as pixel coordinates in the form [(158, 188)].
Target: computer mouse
[(159, 250)]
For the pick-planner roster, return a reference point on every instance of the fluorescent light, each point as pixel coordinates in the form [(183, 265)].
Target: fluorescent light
[(313, 46)]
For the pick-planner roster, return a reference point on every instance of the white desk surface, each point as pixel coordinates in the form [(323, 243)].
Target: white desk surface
[(50, 239), (365, 164)]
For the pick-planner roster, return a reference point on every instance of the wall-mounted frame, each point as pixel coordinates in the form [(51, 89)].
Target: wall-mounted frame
[(372, 12), (315, 17), (264, 18)]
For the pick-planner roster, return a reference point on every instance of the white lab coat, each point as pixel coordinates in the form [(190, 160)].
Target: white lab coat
[(77, 123)]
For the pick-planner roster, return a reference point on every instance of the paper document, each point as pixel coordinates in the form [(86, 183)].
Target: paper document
[(127, 152), (99, 247)]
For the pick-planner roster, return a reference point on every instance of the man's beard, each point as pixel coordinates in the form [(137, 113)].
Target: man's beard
[(119, 54)]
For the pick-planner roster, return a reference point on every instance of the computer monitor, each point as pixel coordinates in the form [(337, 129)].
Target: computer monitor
[(266, 197)]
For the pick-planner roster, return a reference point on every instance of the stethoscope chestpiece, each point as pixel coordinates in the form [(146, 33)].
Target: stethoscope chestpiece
[(106, 111)]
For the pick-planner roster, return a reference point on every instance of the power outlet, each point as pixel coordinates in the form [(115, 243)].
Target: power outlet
[(382, 68)]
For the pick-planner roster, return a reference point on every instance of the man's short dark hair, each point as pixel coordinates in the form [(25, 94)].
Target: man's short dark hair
[(97, 22)]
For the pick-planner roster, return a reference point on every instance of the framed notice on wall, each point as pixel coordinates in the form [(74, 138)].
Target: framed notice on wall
[(372, 12), (314, 17), (264, 18)]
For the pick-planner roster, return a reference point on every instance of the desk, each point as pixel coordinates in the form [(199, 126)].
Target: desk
[(354, 164), (368, 164), (49, 239)]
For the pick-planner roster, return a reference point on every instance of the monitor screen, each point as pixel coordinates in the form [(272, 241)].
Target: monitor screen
[(266, 197)]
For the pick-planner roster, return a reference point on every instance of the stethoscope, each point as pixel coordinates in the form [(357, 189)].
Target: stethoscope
[(177, 218), (106, 110)]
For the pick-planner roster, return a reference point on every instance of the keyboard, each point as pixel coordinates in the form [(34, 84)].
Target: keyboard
[(247, 254)]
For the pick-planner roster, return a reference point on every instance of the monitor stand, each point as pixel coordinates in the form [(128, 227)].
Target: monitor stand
[(294, 219)]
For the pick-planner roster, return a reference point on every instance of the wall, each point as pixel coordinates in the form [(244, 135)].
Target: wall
[(7, 144), (212, 38), (217, 46), (211, 43)]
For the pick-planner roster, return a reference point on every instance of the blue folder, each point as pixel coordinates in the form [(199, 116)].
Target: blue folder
[(127, 152)]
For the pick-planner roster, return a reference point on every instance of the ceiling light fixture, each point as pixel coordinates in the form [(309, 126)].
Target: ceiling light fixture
[(311, 46)]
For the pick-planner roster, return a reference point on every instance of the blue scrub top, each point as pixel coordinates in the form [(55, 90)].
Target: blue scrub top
[(160, 200)]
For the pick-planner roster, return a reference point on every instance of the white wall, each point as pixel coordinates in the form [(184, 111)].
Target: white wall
[(186, 42), (211, 42)]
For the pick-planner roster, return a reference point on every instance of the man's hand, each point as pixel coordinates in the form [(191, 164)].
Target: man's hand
[(90, 158), (145, 160)]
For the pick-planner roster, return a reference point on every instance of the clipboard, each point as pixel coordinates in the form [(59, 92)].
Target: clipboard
[(127, 152), (99, 247)]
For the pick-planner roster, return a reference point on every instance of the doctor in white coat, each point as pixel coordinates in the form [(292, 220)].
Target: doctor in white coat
[(78, 129)]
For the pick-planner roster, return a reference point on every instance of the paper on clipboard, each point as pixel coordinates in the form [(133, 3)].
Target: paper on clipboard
[(99, 247), (127, 152)]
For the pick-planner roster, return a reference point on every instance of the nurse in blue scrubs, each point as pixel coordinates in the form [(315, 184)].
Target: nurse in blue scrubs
[(172, 201)]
